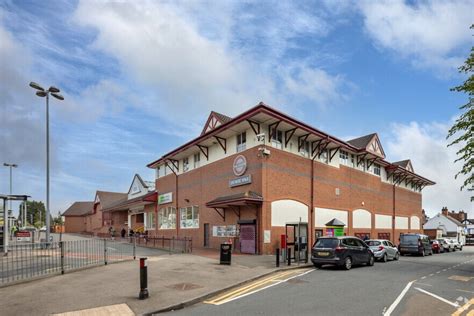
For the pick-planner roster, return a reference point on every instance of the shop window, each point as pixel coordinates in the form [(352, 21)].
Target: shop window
[(139, 218), (377, 169), (383, 236), (189, 217), (167, 218), (277, 138), (150, 221), (362, 236), (197, 160), (241, 141), (185, 164), (344, 157)]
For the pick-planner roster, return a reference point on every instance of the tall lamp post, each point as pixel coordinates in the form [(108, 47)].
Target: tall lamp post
[(45, 93), (11, 166)]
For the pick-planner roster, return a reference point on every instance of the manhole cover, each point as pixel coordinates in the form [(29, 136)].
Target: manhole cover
[(296, 281), (184, 286)]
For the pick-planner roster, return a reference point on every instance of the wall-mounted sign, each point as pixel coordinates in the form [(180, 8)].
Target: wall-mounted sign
[(224, 231), (165, 198), (240, 181), (240, 165)]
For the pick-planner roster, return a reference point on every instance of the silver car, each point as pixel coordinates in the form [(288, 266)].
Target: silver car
[(383, 249), (446, 245), (456, 244)]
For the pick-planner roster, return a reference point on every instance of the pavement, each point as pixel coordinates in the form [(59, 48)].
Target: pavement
[(174, 281)]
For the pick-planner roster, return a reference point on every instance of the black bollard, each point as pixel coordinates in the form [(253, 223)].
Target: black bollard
[(278, 257), (143, 280), (289, 256)]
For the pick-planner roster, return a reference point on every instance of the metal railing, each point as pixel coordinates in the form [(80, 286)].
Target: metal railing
[(171, 244), (29, 261)]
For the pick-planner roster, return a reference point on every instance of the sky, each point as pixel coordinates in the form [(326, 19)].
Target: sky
[(140, 78)]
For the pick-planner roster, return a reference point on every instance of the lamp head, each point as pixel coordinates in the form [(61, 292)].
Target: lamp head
[(41, 93), (36, 86), (53, 89), (57, 96)]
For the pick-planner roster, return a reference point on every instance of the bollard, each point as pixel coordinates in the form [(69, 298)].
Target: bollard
[(143, 280), (278, 257), (289, 256)]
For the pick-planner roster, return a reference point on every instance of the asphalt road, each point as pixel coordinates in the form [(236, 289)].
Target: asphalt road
[(432, 285)]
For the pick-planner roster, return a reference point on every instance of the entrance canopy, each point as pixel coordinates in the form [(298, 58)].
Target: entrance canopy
[(143, 200), (239, 199)]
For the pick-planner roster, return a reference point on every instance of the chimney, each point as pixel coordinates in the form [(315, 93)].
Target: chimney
[(444, 211)]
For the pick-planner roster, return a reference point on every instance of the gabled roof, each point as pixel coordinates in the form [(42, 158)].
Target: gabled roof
[(452, 219), (79, 209), (370, 143), (335, 222), (214, 120), (107, 199), (149, 185), (121, 205), (405, 164)]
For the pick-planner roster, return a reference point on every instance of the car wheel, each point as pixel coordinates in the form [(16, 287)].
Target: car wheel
[(384, 258), (348, 263), (460, 249), (371, 261), (397, 256), (431, 252)]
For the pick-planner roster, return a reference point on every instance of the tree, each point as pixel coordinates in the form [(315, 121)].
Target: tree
[(35, 213), (463, 128)]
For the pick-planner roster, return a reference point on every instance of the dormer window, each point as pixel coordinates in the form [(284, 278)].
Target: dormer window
[(344, 157), (241, 141), (377, 169), (277, 138)]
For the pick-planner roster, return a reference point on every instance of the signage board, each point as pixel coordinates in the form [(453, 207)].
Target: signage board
[(224, 231), (23, 236), (240, 181), (240, 165), (165, 198)]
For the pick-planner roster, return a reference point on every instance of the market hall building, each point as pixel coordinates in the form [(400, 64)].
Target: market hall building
[(245, 177)]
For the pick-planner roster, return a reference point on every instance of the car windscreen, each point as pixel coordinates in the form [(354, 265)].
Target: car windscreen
[(372, 243), (327, 243), (409, 239)]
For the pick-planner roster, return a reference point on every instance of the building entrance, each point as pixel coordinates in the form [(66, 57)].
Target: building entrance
[(248, 237)]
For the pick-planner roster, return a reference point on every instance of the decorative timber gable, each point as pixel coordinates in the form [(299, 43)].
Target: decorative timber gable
[(375, 147), (214, 120)]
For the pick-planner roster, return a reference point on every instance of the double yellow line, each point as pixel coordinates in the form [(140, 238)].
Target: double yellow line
[(249, 288), (465, 308)]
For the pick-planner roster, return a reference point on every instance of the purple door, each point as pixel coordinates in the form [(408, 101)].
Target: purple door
[(247, 239)]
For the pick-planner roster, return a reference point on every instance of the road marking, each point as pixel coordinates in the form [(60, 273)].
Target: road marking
[(444, 269), (464, 291), (460, 278), (438, 272), (398, 299), (431, 274), (423, 278), (463, 308), (437, 297), (424, 284), (255, 287)]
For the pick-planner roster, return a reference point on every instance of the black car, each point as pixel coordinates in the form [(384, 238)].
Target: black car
[(415, 244), (341, 251)]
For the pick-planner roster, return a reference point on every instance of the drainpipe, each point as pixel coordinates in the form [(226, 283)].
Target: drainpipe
[(177, 209), (311, 223), (393, 215)]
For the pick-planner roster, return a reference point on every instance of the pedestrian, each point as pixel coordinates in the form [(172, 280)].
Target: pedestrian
[(366, 237), (123, 232)]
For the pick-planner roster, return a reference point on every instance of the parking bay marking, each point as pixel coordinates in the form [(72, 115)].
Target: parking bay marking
[(398, 299), (255, 287), (437, 297)]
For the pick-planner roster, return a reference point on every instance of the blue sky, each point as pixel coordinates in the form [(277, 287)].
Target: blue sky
[(141, 77)]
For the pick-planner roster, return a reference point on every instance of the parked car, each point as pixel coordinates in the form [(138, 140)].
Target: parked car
[(383, 249), (415, 244), (344, 251), (446, 246), (436, 246), (456, 244)]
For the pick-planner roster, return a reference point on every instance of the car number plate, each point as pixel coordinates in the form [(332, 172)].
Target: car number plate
[(323, 253)]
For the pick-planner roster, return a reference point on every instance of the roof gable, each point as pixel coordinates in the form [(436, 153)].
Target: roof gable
[(370, 143), (106, 199), (214, 120), (139, 187), (405, 164), (79, 209)]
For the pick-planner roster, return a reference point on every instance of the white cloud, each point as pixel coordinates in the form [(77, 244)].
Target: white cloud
[(425, 145), (429, 33)]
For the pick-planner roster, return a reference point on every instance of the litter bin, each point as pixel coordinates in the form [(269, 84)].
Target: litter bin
[(226, 253)]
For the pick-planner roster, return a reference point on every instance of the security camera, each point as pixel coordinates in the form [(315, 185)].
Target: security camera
[(261, 137)]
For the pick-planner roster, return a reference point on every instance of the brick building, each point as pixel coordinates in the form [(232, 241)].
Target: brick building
[(75, 217), (244, 178)]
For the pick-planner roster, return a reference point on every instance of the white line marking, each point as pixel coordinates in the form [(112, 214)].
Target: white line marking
[(437, 297), (438, 272), (444, 269), (431, 274), (398, 299), (464, 291), (423, 278), (424, 284)]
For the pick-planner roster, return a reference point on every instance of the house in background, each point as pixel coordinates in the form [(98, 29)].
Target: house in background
[(75, 217), (469, 228), (96, 222), (449, 226)]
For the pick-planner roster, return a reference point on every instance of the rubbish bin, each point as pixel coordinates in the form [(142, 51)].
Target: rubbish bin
[(226, 254)]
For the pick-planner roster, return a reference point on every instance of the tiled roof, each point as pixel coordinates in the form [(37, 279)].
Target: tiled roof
[(108, 199), (361, 142), (223, 118), (402, 163), (79, 209)]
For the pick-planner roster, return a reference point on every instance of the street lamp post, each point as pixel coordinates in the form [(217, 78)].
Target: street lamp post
[(45, 93), (11, 166)]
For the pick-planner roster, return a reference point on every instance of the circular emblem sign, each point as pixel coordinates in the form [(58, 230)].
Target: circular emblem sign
[(240, 165)]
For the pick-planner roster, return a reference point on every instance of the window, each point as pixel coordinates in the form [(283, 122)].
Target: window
[(344, 157), (197, 160), (167, 218), (185, 164), (305, 149), (361, 165), (277, 138), (384, 236), (150, 221), (189, 217), (353, 161), (377, 169), (324, 156), (241, 141), (157, 172)]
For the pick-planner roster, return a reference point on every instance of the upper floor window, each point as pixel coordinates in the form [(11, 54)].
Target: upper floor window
[(344, 157), (241, 141), (324, 156), (377, 169), (185, 164), (305, 150), (277, 138), (353, 161), (157, 172), (197, 160), (361, 164)]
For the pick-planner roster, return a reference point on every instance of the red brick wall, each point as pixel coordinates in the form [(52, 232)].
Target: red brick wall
[(75, 224)]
